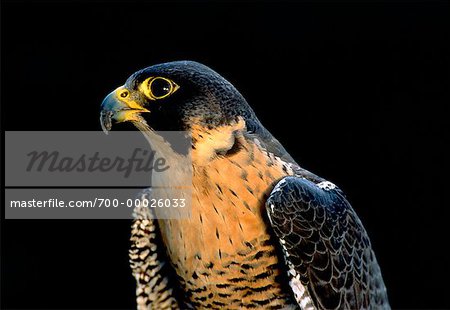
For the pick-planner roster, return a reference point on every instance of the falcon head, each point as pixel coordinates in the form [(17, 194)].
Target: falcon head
[(175, 96), (187, 96)]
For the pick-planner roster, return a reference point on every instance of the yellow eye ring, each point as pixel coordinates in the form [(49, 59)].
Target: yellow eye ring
[(156, 88)]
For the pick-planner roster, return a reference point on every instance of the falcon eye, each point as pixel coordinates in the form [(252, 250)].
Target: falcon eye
[(158, 87)]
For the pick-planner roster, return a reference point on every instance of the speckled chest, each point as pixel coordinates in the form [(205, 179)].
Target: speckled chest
[(224, 254)]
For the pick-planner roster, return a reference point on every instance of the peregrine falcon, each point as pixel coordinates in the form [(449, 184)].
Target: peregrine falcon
[(263, 232)]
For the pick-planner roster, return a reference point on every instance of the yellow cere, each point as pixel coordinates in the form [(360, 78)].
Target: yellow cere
[(123, 95)]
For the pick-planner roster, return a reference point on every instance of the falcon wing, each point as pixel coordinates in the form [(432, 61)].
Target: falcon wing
[(327, 251), (154, 276)]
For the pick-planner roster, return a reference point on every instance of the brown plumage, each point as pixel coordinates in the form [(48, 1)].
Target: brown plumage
[(224, 254)]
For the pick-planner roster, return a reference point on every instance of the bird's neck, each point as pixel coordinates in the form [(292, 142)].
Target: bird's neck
[(227, 209)]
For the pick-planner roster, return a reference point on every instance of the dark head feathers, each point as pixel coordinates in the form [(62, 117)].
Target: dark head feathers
[(204, 98)]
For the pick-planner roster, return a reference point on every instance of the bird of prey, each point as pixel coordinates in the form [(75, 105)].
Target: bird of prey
[(263, 232)]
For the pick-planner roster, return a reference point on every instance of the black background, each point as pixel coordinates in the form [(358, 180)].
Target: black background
[(358, 92)]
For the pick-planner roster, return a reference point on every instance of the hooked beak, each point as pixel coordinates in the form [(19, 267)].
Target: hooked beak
[(119, 106)]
